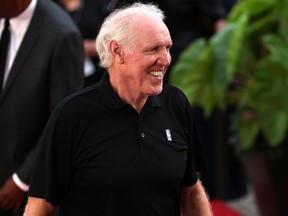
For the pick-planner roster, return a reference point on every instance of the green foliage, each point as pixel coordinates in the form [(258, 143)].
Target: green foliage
[(244, 66)]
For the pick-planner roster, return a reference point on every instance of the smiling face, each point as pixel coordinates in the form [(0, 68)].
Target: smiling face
[(142, 70)]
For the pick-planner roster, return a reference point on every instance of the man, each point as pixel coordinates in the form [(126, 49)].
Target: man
[(44, 63), (128, 145), (88, 16)]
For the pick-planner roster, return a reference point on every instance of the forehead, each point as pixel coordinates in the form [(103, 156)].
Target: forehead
[(152, 31)]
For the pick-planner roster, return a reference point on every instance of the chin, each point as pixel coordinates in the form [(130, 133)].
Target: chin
[(157, 90)]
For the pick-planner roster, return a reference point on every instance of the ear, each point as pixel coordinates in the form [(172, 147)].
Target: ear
[(116, 52)]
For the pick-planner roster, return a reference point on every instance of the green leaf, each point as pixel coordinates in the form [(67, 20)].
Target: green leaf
[(278, 47), (244, 65), (235, 46), (182, 67), (283, 19), (246, 129), (274, 126), (268, 95), (220, 44), (253, 8)]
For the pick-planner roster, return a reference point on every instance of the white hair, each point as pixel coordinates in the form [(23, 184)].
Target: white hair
[(119, 26)]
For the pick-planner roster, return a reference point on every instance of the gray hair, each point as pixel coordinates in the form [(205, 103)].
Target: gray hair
[(119, 25)]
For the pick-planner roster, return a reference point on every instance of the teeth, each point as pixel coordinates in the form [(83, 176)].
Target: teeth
[(157, 73)]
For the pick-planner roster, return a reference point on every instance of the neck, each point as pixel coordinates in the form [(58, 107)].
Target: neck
[(128, 95)]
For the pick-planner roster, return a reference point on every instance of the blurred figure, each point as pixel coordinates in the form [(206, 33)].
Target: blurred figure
[(44, 63), (128, 145), (88, 16)]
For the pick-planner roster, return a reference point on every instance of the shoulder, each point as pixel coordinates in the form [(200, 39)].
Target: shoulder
[(177, 103), (175, 95), (54, 17), (79, 100)]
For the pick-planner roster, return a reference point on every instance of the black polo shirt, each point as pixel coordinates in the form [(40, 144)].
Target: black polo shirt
[(98, 156)]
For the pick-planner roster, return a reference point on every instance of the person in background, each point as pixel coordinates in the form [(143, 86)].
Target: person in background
[(88, 15), (43, 64), (128, 145)]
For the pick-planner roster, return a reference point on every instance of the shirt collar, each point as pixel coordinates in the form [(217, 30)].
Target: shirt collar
[(113, 101), (20, 23)]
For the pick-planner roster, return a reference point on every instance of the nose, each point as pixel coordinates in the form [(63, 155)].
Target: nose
[(165, 58)]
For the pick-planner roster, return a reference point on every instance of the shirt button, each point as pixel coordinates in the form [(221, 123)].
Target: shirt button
[(142, 135)]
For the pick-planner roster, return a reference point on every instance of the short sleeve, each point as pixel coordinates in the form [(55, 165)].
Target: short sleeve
[(53, 163)]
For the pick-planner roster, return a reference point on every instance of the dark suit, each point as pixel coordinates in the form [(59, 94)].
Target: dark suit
[(47, 67), (88, 17)]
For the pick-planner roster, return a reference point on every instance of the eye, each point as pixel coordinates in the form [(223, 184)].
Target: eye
[(154, 49), (168, 49)]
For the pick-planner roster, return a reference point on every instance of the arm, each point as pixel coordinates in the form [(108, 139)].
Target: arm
[(66, 68), (38, 207), (90, 48), (195, 201), (11, 196)]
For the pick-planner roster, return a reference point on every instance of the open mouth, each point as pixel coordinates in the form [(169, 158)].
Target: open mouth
[(158, 74)]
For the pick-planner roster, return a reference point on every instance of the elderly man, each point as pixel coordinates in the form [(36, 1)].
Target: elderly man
[(128, 145)]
